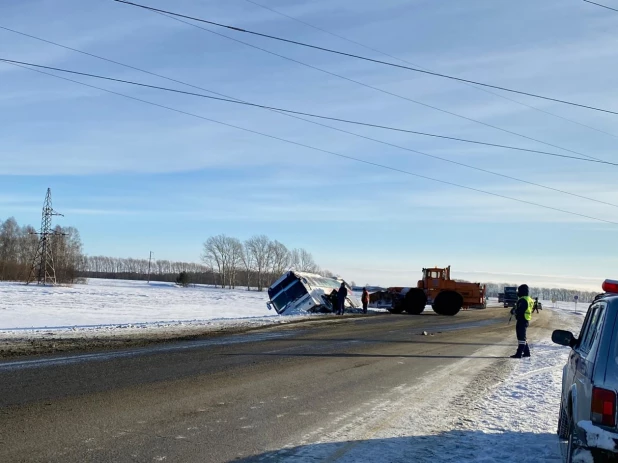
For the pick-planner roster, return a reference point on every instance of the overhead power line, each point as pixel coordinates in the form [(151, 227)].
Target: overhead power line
[(301, 113), (386, 63), (480, 89), (382, 142), (343, 156), (602, 6), (377, 89), (479, 169)]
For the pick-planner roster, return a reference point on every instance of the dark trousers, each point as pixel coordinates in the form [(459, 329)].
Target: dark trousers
[(365, 304), (521, 327), (340, 306)]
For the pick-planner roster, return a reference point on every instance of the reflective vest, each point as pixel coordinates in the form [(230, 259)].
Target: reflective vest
[(528, 312)]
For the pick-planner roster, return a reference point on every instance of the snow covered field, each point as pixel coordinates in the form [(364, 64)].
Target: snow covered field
[(111, 308), (113, 302), (38, 319), (107, 313)]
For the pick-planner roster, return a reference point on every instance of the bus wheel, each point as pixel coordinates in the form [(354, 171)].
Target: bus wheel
[(415, 301), (448, 303)]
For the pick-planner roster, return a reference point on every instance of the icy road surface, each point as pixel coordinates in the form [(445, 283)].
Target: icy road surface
[(507, 412)]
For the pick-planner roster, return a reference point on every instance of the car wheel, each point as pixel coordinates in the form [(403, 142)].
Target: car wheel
[(563, 425), (573, 445), (569, 449)]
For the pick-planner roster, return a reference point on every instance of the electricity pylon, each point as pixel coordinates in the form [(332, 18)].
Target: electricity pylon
[(43, 259)]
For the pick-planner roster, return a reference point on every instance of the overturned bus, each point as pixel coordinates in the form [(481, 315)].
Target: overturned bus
[(299, 292)]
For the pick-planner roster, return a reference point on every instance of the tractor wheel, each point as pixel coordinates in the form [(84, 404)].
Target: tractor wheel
[(415, 301), (448, 303), (396, 308)]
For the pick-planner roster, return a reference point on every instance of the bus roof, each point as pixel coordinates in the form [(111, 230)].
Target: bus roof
[(300, 275)]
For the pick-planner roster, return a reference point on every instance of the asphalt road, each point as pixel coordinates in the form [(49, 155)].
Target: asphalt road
[(239, 397)]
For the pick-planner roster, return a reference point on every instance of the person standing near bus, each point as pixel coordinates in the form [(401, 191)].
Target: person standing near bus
[(342, 294), (365, 299)]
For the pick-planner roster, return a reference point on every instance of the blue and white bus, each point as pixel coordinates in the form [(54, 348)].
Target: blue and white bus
[(299, 292)]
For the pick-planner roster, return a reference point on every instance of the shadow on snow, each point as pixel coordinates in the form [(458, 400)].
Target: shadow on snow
[(447, 447), (354, 355)]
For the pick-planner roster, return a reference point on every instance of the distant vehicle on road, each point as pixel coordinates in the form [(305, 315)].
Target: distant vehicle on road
[(445, 295), (510, 296), (300, 292), (500, 297), (587, 418)]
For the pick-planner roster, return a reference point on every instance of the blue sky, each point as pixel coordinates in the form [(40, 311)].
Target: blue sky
[(135, 178)]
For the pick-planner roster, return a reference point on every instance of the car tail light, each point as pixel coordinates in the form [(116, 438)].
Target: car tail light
[(603, 407), (610, 286)]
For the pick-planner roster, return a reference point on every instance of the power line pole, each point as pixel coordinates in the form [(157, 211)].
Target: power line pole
[(149, 260), (43, 258)]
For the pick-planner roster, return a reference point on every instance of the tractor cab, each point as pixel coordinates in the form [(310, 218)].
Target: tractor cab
[(433, 276)]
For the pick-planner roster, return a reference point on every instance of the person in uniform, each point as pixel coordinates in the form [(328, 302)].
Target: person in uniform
[(523, 314)]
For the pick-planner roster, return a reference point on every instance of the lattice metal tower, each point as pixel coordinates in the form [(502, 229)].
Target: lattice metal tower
[(43, 262)]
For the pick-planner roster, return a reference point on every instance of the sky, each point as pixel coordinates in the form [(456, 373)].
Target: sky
[(135, 177)]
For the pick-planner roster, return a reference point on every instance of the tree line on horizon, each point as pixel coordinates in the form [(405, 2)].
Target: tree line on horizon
[(18, 246), (226, 262)]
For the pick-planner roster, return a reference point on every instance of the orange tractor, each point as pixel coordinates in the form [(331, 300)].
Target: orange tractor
[(446, 296)]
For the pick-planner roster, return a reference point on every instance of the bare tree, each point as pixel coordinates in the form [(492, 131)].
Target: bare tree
[(9, 239), (260, 249), (234, 251), (248, 263), (214, 254), (280, 260), (295, 259), (18, 247), (67, 252), (306, 262)]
